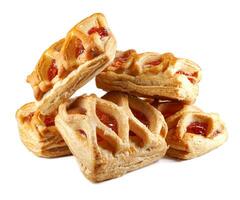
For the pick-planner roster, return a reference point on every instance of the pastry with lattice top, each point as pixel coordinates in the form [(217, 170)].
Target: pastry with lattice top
[(191, 132), (71, 62), (149, 74), (112, 135), (38, 132)]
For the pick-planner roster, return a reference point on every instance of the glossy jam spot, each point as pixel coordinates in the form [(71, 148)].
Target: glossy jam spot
[(189, 75), (49, 120), (102, 32), (52, 71), (79, 48), (118, 61), (197, 128), (154, 63), (141, 117), (28, 118), (108, 120)]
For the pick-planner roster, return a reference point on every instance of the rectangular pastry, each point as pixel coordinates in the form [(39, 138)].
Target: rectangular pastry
[(152, 75), (112, 135), (71, 62), (38, 132), (191, 132)]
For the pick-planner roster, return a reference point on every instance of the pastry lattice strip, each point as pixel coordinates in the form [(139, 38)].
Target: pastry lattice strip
[(107, 131), (191, 132), (152, 75), (71, 62)]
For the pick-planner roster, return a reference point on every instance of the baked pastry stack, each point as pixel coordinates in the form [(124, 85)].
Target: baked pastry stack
[(147, 112)]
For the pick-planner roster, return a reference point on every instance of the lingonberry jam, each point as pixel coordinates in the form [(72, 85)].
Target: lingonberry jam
[(49, 120), (189, 75), (102, 32), (79, 48), (198, 128), (52, 71)]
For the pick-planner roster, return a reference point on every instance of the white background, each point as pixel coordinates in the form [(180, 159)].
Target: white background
[(205, 31)]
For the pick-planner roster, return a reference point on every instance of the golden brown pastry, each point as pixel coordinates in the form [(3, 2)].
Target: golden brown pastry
[(112, 135), (152, 75), (39, 134), (71, 62), (191, 132)]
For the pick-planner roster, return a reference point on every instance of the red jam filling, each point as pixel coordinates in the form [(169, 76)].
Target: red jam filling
[(141, 117), (108, 120), (49, 120), (154, 63), (197, 128), (52, 71), (79, 48), (189, 75), (118, 61), (100, 30)]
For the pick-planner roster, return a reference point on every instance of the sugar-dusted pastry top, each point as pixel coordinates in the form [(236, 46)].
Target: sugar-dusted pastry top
[(84, 42), (131, 63)]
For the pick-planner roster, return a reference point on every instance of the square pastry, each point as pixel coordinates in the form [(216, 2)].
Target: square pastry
[(112, 135), (71, 62), (152, 75)]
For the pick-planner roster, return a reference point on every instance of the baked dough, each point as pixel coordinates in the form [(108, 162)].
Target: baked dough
[(71, 62), (39, 134), (113, 135), (152, 75), (191, 132)]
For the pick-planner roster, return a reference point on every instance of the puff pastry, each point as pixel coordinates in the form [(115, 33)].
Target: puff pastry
[(152, 75), (71, 62), (191, 132), (39, 134), (112, 135)]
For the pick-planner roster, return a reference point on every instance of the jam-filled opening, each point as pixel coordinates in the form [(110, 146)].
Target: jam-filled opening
[(154, 62), (122, 58), (52, 70), (102, 32), (191, 76), (79, 48), (108, 120), (49, 120), (199, 128), (140, 116)]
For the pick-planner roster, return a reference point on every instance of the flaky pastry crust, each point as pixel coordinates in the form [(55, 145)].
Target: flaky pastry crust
[(71, 62), (112, 135), (191, 132), (152, 75), (39, 134)]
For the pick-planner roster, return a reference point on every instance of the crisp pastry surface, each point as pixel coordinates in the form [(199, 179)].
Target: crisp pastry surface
[(71, 62), (152, 75), (38, 132), (191, 132), (112, 135)]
